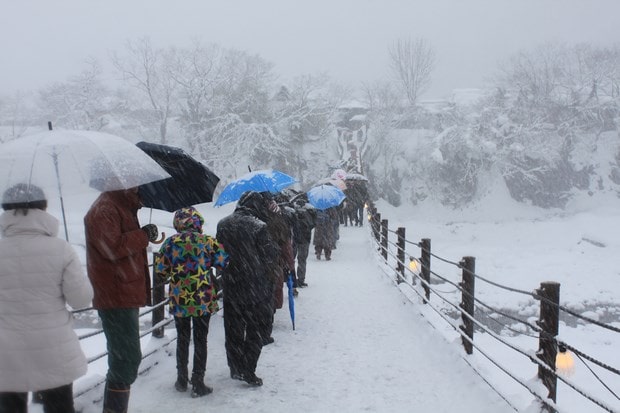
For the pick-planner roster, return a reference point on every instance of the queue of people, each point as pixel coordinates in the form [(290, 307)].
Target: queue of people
[(263, 242)]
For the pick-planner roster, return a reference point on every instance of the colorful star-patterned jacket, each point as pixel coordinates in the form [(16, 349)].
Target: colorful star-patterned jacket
[(186, 260)]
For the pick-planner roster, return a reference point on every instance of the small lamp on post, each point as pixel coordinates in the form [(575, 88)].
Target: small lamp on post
[(564, 362), (415, 266)]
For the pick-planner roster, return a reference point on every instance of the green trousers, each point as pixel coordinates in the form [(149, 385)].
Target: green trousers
[(122, 333)]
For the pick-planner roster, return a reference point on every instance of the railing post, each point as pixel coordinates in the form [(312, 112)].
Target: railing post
[(400, 266), (384, 238), (467, 301), (549, 294), (376, 219), (425, 273), (159, 295)]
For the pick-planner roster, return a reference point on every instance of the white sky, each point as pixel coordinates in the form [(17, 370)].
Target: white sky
[(43, 41)]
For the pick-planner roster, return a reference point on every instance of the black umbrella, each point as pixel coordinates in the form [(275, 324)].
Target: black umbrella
[(191, 183)]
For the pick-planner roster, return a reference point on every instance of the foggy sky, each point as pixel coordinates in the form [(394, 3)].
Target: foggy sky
[(48, 40)]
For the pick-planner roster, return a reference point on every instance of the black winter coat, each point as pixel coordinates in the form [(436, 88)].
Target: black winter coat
[(252, 255), (305, 221)]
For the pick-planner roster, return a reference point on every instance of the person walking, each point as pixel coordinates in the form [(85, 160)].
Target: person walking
[(39, 275), (118, 270), (186, 260), (248, 286)]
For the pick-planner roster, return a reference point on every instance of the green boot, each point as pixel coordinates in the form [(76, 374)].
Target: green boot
[(116, 398)]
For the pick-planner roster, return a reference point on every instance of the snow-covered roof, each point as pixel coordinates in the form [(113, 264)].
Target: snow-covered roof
[(353, 104)]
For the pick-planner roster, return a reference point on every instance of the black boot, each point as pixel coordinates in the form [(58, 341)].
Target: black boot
[(252, 379), (116, 398), (181, 383), (199, 388)]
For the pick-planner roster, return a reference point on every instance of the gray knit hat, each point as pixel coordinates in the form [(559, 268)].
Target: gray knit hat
[(24, 196)]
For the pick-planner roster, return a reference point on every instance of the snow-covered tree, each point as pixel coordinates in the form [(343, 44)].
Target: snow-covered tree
[(79, 103), (412, 62), (146, 69)]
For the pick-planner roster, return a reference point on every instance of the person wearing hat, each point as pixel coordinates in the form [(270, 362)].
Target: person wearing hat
[(39, 275), (186, 260), (117, 266)]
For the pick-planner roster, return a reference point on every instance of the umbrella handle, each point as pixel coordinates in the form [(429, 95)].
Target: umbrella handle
[(159, 241)]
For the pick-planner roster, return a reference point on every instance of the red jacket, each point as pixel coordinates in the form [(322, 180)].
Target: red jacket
[(116, 252)]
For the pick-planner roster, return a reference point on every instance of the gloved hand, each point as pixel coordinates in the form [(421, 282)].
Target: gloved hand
[(151, 231)]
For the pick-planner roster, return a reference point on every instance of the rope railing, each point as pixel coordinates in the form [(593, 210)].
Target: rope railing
[(391, 251)]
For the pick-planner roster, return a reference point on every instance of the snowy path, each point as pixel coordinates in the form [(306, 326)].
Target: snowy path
[(359, 346)]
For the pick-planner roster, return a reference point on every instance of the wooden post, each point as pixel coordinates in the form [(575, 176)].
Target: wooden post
[(425, 273), (400, 265), (467, 301), (159, 295), (384, 238), (549, 294), (376, 219)]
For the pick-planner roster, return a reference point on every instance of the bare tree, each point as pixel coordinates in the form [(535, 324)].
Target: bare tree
[(412, 63), (146, 69)]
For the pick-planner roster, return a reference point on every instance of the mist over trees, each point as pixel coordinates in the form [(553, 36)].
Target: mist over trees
[(545, 129)]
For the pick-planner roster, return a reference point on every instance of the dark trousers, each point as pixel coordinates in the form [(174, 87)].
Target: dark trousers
[(58, 400), (302, 257), (122, 333), (319, 248), (245, 327), (184, 332)]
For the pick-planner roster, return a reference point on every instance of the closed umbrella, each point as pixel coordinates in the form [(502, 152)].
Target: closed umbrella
[(291, 298)]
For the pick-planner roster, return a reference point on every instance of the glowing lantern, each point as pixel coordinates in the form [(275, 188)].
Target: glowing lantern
[(564, 362), (415, 265)]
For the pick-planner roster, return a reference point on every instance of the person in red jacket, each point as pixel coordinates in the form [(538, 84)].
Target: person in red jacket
[(118, 271)]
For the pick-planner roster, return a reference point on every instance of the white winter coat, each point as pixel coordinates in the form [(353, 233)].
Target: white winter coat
[(39, 275)]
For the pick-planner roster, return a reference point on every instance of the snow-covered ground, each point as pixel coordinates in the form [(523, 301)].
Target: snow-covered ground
[(363, 344)]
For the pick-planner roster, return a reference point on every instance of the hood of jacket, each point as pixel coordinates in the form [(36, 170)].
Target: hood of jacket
[(255, 204), (188, 219), (34, 223)]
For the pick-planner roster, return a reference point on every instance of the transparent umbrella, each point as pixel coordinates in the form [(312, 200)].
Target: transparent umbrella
[(69, 162)]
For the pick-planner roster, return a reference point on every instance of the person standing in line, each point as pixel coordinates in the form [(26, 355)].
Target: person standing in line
[(304, 223), (39, 275), (248, 286), (186, 260), (325, 233), (279, 226), (118, 270)]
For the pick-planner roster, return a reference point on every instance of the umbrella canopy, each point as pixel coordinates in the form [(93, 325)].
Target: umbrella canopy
[(266, 180), (338, 174), (70, 162), (355, 177), (338, 183), (291, 298), (325, 196), (191, 182)]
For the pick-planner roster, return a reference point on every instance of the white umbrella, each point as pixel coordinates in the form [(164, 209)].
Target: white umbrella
[(69, 162), (339, 183), (355, 177)]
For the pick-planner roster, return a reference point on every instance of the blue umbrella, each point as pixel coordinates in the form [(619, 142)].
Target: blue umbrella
[(291, 298), (266, 180), (325, 196)]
